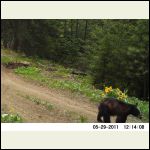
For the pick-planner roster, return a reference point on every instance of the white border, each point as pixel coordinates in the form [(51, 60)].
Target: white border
[(70, 10), (50, 138), (72, 126), (75, 9)]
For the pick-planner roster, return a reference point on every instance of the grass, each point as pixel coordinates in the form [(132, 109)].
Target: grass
[(11, 118), (83, 119), (60, 77), (38, 101), (6, 59), (82, 87), (30, 71), (47, 105)]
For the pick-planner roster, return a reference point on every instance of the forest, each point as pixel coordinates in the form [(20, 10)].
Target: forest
[(114, 52)]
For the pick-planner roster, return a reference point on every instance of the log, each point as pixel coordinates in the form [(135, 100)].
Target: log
[(79, 73), (13, 65)]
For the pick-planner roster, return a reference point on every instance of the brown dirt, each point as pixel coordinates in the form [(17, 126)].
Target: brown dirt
[(68, 107)]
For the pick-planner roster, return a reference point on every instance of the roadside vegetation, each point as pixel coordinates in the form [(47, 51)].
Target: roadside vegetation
[(11, 118), (53, 75)]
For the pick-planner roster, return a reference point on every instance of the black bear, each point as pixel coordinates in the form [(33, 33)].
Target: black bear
[(113, 107)]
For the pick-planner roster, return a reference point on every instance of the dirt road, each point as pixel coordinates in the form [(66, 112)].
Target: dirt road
[(67, 107)]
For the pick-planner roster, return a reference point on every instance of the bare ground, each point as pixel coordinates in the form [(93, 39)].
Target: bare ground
[(67, 107)]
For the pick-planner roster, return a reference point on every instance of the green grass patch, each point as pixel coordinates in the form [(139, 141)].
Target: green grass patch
[(6, 60), (61, 72), (11, 118), (29, 71), (9, 59)]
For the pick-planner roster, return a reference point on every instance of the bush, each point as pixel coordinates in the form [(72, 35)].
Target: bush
[(115, 93), (10, 118)]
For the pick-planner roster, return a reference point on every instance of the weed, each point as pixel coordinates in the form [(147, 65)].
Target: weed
[(39, 101), (83, 119), (11, 118)]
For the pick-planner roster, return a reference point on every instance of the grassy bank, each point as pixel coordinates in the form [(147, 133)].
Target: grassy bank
[(52, 75)]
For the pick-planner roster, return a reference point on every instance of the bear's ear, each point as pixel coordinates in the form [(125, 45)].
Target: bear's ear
[(136, 104)]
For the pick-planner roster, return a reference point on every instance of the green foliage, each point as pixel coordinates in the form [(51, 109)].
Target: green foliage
[(61, 71), (29, 71), (81, 87), (6, 60), (77, 84), (123, 55), (9, 56), (11, 118), (115, 93)]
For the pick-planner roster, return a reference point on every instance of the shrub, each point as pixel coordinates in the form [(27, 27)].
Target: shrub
[(10, 118), (115, 93)]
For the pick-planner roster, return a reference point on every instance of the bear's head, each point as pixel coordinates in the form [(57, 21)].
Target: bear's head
[(135, 111)]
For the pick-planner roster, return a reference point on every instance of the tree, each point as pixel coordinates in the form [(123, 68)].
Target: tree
[(114, 52)]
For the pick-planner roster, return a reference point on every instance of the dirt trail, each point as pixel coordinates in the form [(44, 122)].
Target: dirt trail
[(66, 107), (12, 85)]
